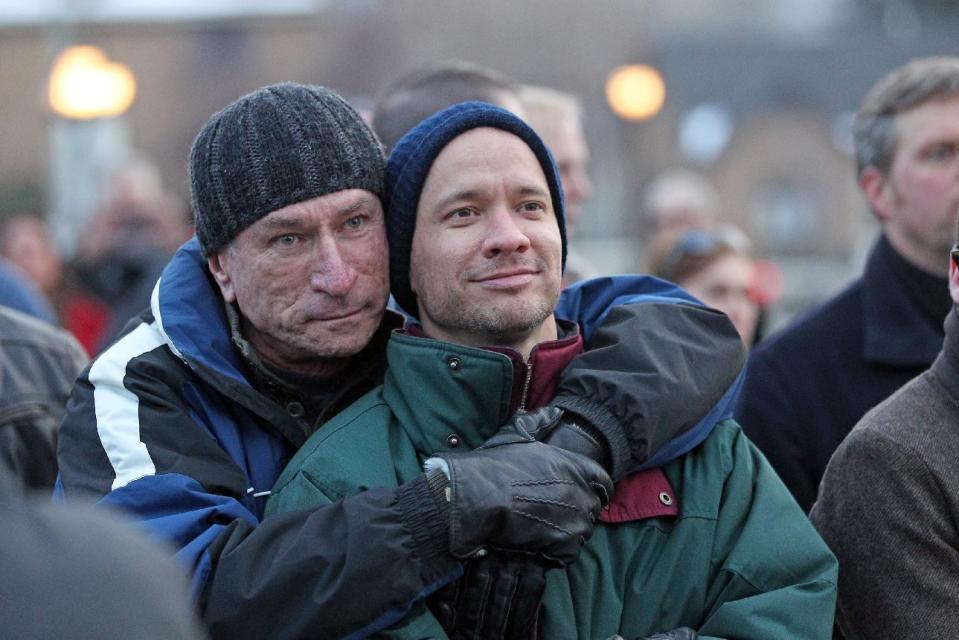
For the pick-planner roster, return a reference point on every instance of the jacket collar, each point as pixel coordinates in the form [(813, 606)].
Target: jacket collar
[(946, 366), (440, 391), (448, 394), (189, 313), (896, 329)]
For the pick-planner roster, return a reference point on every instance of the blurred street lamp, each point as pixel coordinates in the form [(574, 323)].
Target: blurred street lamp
[(89, 138), (85, 85), (635, 92)]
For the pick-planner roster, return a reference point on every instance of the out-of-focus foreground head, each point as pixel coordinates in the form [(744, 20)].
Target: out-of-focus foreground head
[(423, 92), (678, 200), (557, 117)]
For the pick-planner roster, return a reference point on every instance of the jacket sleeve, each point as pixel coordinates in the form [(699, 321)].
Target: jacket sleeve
[(341, 570), (775, 577), (659, 372), (884, 513), (414, 623)]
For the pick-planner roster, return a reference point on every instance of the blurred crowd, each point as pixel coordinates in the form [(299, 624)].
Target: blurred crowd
[(852, 403)]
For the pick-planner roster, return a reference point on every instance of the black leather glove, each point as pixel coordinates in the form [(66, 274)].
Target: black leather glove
[(562, 429), (497, 597), (516, 494)]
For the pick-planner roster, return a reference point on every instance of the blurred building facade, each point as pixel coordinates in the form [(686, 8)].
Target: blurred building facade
[(759, 94)]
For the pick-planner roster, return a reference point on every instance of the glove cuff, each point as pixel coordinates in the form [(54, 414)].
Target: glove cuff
[(597, 421), (426, 517)]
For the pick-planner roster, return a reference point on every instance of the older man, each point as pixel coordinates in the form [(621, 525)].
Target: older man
[(807, 386), (710, 543), (269, 323)]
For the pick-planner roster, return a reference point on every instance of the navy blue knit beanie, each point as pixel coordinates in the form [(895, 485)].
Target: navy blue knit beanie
[(410, 162)]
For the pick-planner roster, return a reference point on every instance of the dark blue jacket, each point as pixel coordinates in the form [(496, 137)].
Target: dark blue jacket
[(165, 425), (807, 386)]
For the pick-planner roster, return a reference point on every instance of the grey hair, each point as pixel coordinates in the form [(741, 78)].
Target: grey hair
[(903, 89)]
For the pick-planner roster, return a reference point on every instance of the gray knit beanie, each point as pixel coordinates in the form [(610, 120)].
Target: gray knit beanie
[(277, 146)]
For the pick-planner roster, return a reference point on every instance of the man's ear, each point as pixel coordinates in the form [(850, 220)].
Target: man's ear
[(874, 185), (222, 276)]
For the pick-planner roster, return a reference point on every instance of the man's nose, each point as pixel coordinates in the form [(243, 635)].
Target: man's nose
[(332, 271), (504, 235)]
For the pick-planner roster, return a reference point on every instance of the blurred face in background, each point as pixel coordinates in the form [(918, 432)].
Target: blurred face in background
[(725, 284), (917, 199), (567, 142), (26, 242)]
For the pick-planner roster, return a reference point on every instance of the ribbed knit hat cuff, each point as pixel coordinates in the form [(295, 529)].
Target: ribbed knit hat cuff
[(410, 163)]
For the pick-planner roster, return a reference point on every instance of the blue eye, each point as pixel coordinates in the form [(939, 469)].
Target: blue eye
[(354, 223), (286, 240), (943, 152)]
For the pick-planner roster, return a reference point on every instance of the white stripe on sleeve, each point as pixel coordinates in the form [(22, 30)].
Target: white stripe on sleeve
[(117, 408)]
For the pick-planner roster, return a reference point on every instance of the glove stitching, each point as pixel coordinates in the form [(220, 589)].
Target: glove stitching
[(557, 503), (539, 483), (530, 516)]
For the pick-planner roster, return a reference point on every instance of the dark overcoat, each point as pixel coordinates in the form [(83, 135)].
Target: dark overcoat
[(808, 385)]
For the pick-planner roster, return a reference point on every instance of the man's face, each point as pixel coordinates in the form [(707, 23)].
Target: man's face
[(918, 198), (487, 254), (565, 138), (311, 279)]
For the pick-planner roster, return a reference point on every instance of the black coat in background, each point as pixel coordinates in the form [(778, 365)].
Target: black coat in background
[(808, 385)]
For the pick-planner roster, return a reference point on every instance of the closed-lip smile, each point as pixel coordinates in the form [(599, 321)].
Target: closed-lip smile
[(508, 278)]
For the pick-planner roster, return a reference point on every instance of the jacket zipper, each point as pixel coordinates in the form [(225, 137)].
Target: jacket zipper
[(529, 377)]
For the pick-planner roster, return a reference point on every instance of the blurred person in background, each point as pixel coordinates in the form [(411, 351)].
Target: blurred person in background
[(713, 265), (38, 367), (18, 291), (808, 385), (26, 241), (557, 117), (889, 504), (121, 253), (424, 91), (677, 200)]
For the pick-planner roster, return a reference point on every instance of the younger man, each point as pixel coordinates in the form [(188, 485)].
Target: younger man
[(710, 541)]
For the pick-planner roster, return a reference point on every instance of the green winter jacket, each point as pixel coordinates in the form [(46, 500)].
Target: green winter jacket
[(739, 560)]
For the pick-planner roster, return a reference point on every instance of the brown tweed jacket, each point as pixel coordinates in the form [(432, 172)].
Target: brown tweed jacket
[(889, 509)]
